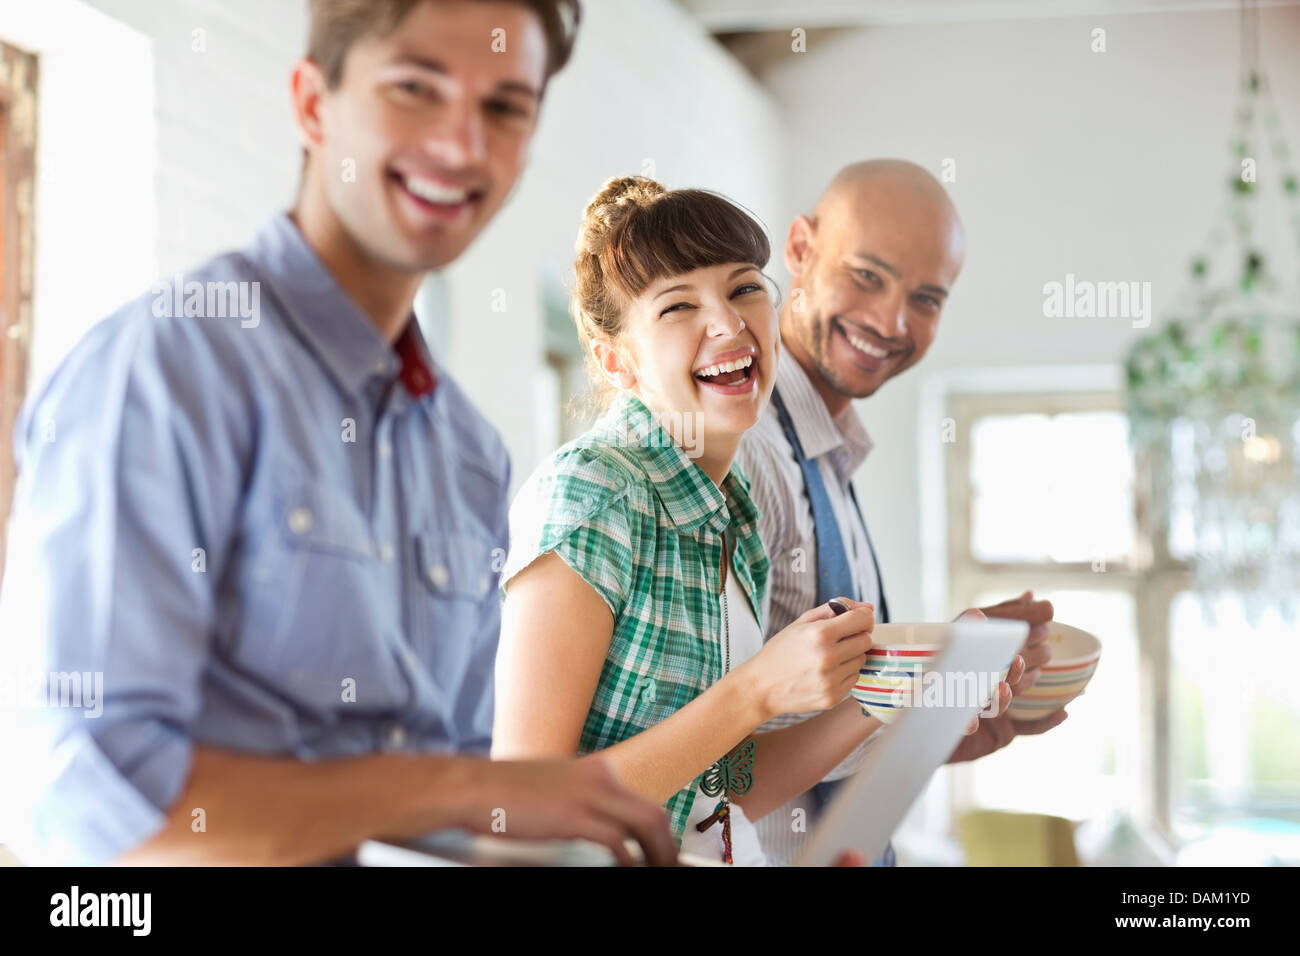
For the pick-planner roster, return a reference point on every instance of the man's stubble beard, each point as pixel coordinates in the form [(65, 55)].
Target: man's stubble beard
[(822, 330)]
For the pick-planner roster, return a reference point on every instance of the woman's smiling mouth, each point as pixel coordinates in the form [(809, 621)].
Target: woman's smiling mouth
[(731, 373)]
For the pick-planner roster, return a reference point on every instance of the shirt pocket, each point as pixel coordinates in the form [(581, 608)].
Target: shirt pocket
[(318, 613), (456, 614), (457, 564)]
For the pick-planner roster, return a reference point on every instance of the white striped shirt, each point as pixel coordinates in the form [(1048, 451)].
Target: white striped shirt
[(839, 445)]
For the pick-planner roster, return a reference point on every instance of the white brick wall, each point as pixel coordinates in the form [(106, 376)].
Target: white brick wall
[(151, 156), (95, 221), (227, 151)]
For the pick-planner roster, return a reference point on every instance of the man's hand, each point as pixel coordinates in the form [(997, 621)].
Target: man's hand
[(1014, 675), (1036, 652), (994, 733), (281, 811), (569, 799)]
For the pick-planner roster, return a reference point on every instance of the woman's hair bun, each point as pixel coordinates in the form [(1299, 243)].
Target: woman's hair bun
[(618, 198)]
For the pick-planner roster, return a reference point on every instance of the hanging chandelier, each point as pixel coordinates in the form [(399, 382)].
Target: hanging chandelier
[(1214, 393)]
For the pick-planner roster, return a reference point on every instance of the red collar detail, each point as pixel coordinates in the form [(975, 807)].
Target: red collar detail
[(416, 374)]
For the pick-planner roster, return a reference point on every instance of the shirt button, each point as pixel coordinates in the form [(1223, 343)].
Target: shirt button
[(485, 584), (385, 450), (386, 552), (381, 367), (438, 575), (395, 736), (300, 520)]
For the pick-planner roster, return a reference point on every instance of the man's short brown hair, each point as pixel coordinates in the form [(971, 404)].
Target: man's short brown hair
[(337, 24)]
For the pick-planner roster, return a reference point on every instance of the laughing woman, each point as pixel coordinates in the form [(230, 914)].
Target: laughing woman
[(632, 624)]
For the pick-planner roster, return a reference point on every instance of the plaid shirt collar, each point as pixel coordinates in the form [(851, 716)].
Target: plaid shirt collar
[(689, 495)]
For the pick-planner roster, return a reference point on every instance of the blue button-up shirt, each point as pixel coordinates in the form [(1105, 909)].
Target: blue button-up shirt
[(258, 538)]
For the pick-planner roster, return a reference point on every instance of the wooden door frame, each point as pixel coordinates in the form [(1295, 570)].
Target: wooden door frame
[(18, 84)]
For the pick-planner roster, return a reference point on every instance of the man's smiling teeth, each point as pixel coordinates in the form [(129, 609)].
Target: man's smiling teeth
[(863, 345), (713, 370), (435, 192)]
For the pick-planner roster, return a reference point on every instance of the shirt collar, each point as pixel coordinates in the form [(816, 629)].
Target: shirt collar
[(689, 495), (317, 308), (819, 432)]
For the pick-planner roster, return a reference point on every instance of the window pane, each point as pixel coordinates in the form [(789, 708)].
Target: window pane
[(1088, 766), (1236, 733), (1051, 488), (1182, 490)]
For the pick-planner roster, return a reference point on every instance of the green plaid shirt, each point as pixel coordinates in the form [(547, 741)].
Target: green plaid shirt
[(626, 508)]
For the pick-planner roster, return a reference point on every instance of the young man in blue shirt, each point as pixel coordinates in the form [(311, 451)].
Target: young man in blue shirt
[(253, 505)]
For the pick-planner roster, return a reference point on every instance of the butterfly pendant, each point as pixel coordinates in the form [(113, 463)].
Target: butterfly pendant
[(732, 774)]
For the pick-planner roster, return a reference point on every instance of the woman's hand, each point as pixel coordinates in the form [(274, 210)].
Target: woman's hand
[(813, 663)]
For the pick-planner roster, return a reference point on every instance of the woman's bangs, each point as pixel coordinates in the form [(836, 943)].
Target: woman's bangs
[(686, 230)]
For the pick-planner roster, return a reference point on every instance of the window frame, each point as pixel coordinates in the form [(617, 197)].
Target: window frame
[(1150, 575)]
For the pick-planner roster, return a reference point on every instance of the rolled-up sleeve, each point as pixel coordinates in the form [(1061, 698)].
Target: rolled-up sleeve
[(111, 569)]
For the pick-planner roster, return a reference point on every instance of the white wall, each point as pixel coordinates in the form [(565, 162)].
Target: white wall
[(95, 208), (227, 153), (157, 146), (1107, 165)]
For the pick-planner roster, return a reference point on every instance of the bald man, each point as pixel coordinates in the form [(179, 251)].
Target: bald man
[(871, 270)]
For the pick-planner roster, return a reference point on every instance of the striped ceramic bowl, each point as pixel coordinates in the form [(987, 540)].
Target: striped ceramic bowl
[(892, 672), (1075, 654), (891, 676)]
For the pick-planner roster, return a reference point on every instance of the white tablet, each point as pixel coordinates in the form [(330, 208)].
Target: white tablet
[(900, 763)]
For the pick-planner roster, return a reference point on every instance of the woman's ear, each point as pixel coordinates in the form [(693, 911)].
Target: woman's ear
[(613, 367)]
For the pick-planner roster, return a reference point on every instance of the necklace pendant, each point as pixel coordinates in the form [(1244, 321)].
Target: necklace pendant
[(732, 774), (722, 813), (713, 817)]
